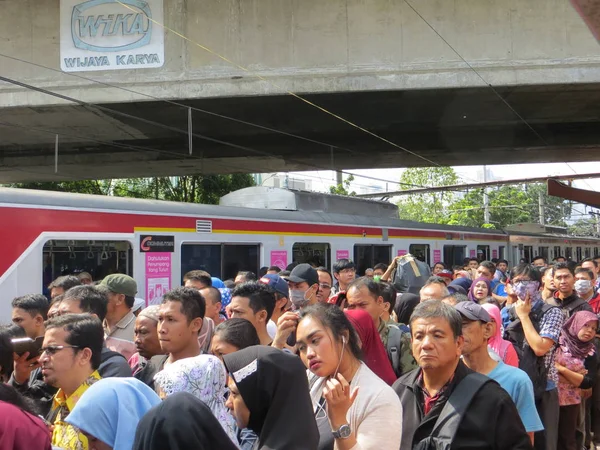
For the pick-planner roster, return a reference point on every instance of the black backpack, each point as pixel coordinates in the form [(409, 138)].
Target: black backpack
[(447, 423), (529, 362)]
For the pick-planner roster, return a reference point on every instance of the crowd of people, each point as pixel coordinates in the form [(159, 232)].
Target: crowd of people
[(405, 357)]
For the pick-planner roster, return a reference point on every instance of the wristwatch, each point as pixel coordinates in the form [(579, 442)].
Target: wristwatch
[(342, 432)]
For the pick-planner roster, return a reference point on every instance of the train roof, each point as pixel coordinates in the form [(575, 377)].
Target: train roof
[(51, 199)]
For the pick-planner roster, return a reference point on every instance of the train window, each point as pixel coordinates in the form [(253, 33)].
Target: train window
[(557, 251), (366, 256), (579, 254), (201, 257), (98, 258), (543, 251), (528, 253), (568, 253), (220, 260), (315, 253), (421, 252), (454, 254), (588, 252), (483, 252), (238, 257)]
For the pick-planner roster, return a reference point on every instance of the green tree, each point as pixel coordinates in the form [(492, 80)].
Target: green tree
[(344, 188), (509, 204), (206, 189), (584, 227), (429, 207)]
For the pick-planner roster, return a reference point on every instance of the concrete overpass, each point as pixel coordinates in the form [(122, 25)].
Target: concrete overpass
[(377, 64)]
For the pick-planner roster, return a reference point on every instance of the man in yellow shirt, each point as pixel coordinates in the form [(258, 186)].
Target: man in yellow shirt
[(69, 358)]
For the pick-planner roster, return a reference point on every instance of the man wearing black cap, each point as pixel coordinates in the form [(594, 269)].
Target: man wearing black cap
[(303, 283), (478, 328), (282, 301)]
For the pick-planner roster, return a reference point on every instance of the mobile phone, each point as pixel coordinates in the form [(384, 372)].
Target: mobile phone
[(24, 345)]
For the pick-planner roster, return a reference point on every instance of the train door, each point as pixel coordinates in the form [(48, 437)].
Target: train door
[(483, 252), (588, 252), (528, 253), (454, 254), (544, 252), (502, 252), (578, 254), (568, 253), (98, 258), (316, 254), (366, 256), (421, 252), (557, 252)]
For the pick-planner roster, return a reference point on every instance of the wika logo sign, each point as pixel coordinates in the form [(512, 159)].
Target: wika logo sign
[(109, 35), (95, 31)]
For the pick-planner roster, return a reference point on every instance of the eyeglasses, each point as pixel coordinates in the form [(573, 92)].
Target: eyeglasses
[(324, 286), (52, 349)]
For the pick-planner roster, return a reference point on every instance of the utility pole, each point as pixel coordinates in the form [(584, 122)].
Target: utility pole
[(340, 177), (542, 209), (486, 200)]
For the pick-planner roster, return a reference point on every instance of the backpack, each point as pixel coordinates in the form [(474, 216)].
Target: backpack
[(449, 420), (529, 362), (399, 350)]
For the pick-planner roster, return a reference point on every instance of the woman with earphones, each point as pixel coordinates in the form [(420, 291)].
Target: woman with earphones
[(353, 407)]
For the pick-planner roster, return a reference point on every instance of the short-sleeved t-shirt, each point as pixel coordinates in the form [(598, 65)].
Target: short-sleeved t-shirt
[(519, 387)]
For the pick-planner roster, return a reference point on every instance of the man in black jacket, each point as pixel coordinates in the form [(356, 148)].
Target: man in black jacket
[(491, 420)]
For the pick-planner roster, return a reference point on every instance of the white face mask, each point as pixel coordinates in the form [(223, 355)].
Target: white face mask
[(583, 286), (297, 297)]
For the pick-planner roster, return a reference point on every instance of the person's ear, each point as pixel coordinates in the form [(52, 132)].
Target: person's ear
[(196, 325), (460, 342), (39, 320), (488, 330), (85, 356), (262, 315)]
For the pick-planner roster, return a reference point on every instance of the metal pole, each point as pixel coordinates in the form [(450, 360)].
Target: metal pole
[(486, 200), (190, 130), (542, 209), (56, 154)]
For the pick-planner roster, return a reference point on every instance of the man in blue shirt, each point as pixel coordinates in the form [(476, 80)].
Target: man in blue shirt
[(477, 330)]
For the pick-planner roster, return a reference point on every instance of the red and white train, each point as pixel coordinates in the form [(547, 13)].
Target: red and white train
[(46, 234)]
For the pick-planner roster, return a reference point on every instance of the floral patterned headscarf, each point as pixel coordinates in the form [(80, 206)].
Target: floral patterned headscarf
[(204, 377)]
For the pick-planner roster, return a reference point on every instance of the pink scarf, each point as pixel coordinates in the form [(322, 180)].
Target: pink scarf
[(499, 345)]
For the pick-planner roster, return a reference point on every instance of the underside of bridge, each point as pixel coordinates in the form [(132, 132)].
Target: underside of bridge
[(519, 124)]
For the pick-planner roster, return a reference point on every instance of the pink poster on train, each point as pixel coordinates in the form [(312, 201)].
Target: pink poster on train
[(437, 255), (402, 252), (472, 253), (342, 254), (279, 258), (494, 253), (158, 276)]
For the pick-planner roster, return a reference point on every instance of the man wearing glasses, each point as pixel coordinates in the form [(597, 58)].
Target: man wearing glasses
[(69, 358)]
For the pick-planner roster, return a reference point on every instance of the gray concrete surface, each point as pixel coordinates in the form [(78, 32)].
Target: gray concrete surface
[(374, 62)]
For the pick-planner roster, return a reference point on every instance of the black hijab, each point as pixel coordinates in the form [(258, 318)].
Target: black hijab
[(405, 306), (181, 422), (274, 387)]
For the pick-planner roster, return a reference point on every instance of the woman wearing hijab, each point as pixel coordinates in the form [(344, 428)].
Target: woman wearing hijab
[(269, 395), (110, 409), (503, 348), (375, 356), (354, 408), (576, 363), (181, 422), (480, 290), (405, 306), (205, 378)]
